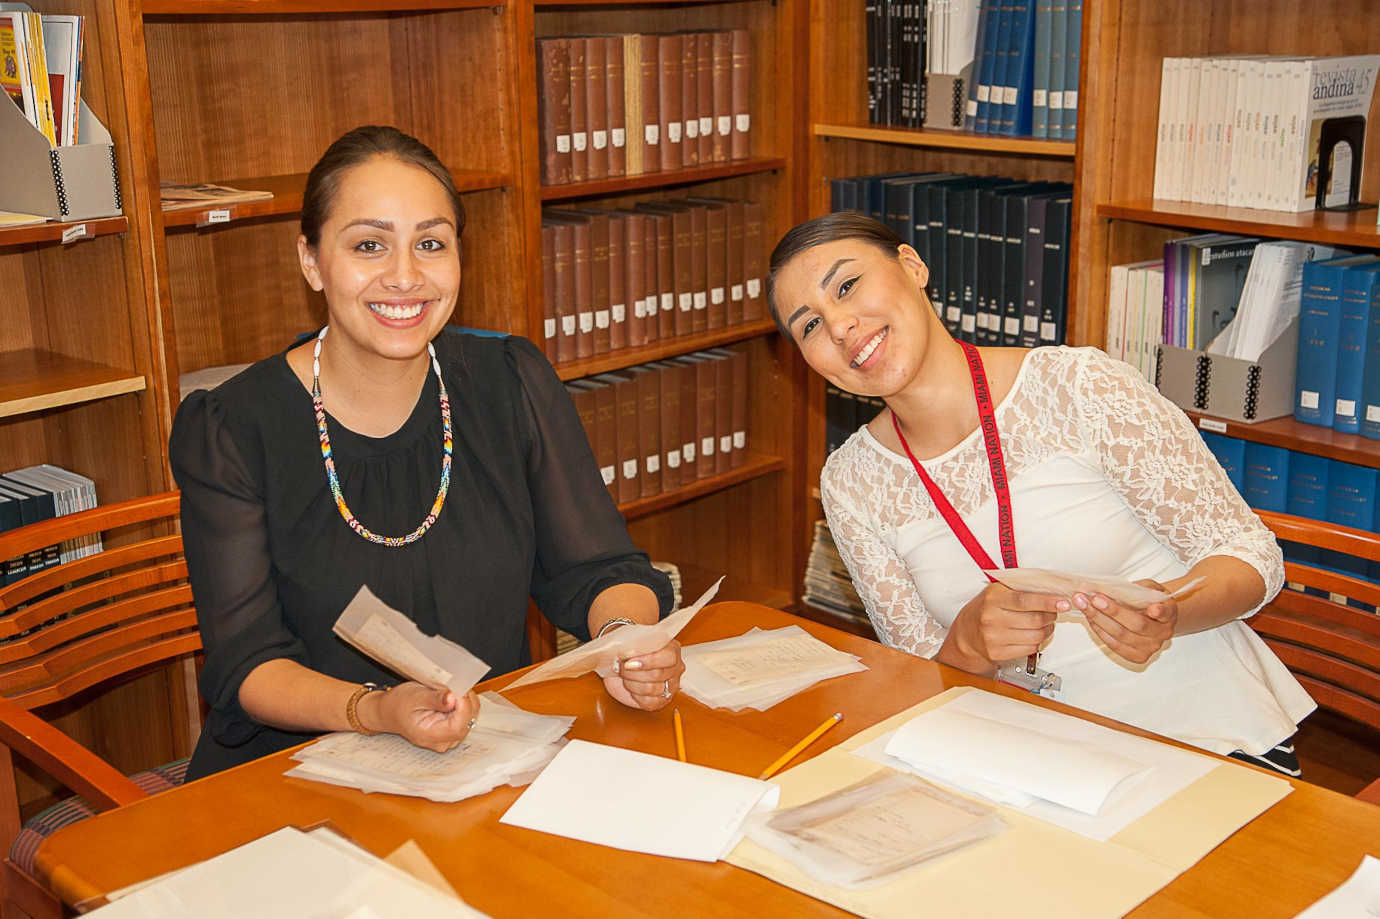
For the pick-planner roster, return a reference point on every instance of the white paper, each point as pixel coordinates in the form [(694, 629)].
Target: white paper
[(601, 654), (640, 802), (1358, 896), (389, 637), (1065, 584), (1169, 768), (760, 668)]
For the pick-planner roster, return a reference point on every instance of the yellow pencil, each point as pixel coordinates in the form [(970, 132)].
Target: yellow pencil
[(680, 735), (805, 742)]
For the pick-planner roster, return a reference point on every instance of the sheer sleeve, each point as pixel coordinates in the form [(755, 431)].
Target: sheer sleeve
[(1152, 455), (583, 545), (228, 562), (880, 577)]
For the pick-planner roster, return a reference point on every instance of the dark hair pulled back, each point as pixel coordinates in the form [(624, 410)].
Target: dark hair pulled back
[(827, 229)]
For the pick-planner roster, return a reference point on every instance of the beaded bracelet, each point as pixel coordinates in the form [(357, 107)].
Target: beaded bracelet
[(619, 620), (352, 707)]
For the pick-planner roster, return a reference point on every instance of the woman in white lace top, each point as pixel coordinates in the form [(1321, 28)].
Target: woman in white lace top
[(1105, 477)]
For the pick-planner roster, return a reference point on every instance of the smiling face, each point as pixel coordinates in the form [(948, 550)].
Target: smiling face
[(858, 313), (388, 259)]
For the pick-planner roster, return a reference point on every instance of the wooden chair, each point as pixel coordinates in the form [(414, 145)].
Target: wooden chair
[(1332, 648), (88, 623)]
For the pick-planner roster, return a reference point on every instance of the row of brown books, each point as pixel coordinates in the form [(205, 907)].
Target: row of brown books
[(613, 105), (624, 278), (661, 426)]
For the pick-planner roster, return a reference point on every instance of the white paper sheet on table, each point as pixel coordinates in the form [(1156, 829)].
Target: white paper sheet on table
[(1066, 584), (760, 668), (1358, 896), (640, 802), (389, 637), (628, 641), (1168, 768)]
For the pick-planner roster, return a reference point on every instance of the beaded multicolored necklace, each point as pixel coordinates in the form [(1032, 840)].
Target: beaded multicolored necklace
[(334, 480)]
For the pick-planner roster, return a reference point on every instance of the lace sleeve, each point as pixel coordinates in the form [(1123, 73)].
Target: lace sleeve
[(879, 576), (1151, 453)]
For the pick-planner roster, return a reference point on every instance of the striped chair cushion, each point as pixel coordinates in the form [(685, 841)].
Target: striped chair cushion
[(74, 809)]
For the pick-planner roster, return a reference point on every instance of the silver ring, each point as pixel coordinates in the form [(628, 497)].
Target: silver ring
[(471, 724), (666, 690)]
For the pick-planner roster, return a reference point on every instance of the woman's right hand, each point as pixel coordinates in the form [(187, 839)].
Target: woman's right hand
[(1000, 624), (430, 718)]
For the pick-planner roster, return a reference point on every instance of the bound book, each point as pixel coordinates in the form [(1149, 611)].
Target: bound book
[(562, 292), (754, 262), (579, 111), (690, 99), (548, 291), (597, 105), (650, 99), (649, 429), (616, 104), (721, 80), (618, 281), (553, 109), (704, 92), (668, 381), (740, 146), (671, 95)]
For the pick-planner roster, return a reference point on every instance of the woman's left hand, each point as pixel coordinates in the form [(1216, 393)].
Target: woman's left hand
[(649, 681), (1135, 634)]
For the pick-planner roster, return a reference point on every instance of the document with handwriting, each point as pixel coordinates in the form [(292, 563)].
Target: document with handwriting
[(386, 635)]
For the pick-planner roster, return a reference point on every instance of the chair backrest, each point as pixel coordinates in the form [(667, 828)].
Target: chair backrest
[(92, 619), (1331, 647)]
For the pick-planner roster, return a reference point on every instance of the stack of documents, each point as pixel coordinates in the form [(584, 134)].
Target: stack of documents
[(506, 745), (761, 668)]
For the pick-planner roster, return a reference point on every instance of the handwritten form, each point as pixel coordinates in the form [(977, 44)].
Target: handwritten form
[(389, 637), (761, 668)]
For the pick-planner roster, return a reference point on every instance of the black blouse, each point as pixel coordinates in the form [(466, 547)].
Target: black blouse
[(272, 563)]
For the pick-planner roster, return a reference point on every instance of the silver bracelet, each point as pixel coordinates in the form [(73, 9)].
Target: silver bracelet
[(619, 620)]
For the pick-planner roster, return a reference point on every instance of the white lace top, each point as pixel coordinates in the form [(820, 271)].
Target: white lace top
[(1107, 477)]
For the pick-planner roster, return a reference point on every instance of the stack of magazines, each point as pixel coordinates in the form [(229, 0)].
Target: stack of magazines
[(761, 668), (507, 745), (827, 584)]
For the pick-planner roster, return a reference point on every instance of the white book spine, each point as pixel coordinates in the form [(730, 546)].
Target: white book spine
[(1231, 73), (1154, 299), (1164, 135), (1207, 72), (1188, 95), (1116, 312)]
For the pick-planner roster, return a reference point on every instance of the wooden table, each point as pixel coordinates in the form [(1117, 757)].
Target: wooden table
[(1288, 857)]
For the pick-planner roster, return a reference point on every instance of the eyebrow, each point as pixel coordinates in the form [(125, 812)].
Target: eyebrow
[(829, 275), (796, 315), (387, 225)]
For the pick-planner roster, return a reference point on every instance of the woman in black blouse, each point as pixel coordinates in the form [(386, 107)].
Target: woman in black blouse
[(290, 503)]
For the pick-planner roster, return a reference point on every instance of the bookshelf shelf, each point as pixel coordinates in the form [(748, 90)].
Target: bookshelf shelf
[(282, 7), (668, 347), (53, 232), (755, 466), (1295, 435), (643, 180), (287, 197), (33, 380), (830, 618), (1341, 228), (949, 140)]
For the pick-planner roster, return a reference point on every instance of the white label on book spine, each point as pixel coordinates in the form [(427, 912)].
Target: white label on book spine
[(1032, 323), (601, 139), (953, 313), (607, 473), (701, 301), (673, 132), (1346, 408), (726, 443), (654, 463), (587, 321), (754, 287), (1373, 412), (1040, 98), (601, 319), (736, 292), (984, 93), (688, 451), (971, 108), (581, 140), (619, 312), (673, 459), (706, 446), (620, 137), (568, 325), (549, 326), (651, 134), (630, 469), (739, 440), (1047, 331), (1215, 425), (725, 125), (692, 128), (1056, 99), (1013, 325), (968, 323), (1308, 398), (1008, 95), (716, 296), (651, 304), (1070, 98), (706, 126), (562, 143), (743, 123), (74, 232), (668, 303), (687, 301), (640, 309)]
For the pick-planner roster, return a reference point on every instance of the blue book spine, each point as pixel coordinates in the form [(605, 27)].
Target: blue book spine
[(1370, 375), (1350, 502), (1358, 286), (1058, 39), (1020, 70), (1039, 96), (1231, 455), (998, 52), (1072, 61), (987, 22), (1266, 477), (1308, 486), (1315, 375)]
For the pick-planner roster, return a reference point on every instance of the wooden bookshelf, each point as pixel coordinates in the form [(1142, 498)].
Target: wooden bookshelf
[(754, 465), (1355, 229), (60, 231), (1295, 435), (618, 185), (36, 380), (297, 7), (965, 141), (627, 357)]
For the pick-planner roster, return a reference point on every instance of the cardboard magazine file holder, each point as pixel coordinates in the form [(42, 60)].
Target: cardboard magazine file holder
[(945, 96), (1227, 387), (79, 182)]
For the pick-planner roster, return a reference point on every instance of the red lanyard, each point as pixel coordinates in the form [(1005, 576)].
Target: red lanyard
[(988, 422)]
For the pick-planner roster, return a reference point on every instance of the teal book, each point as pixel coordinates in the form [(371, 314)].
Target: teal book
[(1359, 283), (1266, 477), (1039, 96), (1320, 318)]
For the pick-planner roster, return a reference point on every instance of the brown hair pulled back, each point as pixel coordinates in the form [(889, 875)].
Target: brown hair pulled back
[(827, 229)]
